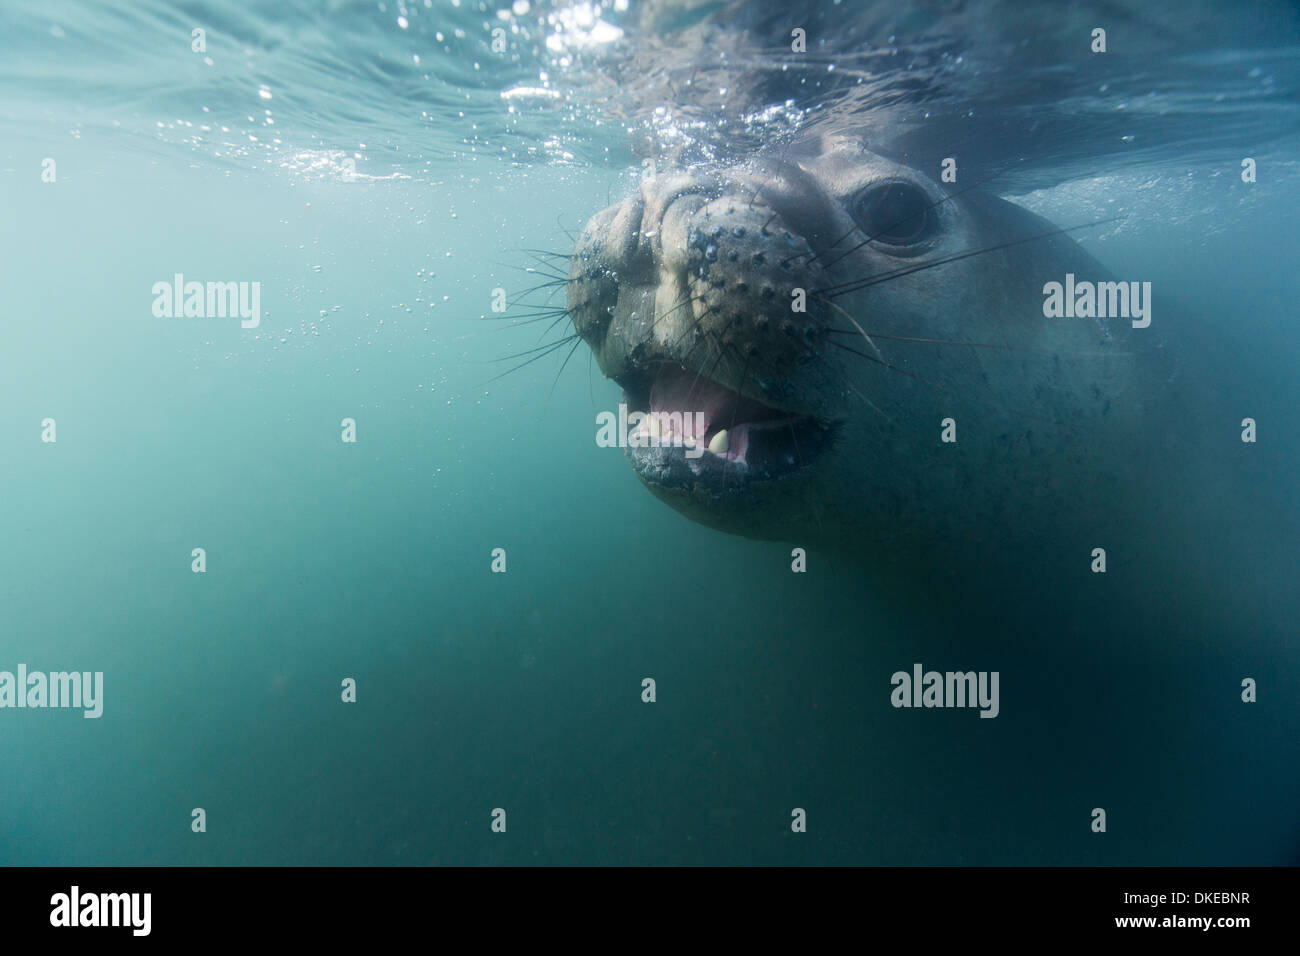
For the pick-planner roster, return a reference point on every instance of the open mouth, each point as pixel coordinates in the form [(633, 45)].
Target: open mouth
[(687, 431)]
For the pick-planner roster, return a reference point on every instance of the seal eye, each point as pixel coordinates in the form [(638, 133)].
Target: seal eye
[(896, 213)]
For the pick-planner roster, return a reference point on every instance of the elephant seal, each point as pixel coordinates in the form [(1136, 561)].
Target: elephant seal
[(867, 355), (853, 355)]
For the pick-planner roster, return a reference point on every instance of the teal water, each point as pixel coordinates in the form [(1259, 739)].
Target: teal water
[(372, 560)]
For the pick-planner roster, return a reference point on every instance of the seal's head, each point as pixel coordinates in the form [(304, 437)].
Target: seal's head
[(815, 317)]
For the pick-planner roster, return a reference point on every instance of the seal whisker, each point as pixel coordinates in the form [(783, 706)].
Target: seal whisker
[(860, 329), (979, 345), (566, 231), (845, 288), (542, 351), (564, 364), (545, 257), (838, 373), (690, 300), (554, 315), (722, 353), (544, 273), (552, 278), (557, 321), (554, 285), (528, 318), (537, 269), (539, 348), (924, 381), (539, 310), (726, 462)]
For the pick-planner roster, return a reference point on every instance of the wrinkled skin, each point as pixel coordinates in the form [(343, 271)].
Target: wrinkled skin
[(698, 270)]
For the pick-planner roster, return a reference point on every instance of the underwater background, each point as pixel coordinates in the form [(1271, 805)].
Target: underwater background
[(380, 171)]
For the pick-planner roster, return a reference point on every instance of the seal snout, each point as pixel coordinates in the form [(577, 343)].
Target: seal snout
[(702, 268), (696, 294)]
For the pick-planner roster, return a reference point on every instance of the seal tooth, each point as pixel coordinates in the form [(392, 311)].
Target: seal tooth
[(720, 444)]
